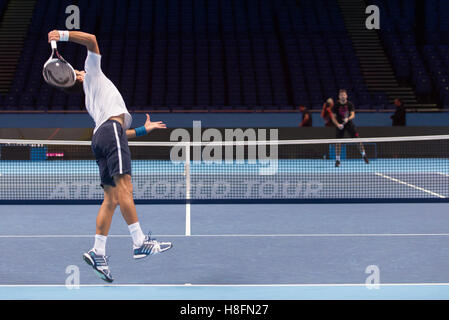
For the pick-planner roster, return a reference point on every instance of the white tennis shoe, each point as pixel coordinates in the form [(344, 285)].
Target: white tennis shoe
[(151, 247)]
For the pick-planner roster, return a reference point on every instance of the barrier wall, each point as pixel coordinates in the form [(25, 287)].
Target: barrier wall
[(167, 135), (216, 120)]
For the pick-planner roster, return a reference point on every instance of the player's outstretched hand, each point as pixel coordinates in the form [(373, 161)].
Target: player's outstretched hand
[(153, 125), (340, 126), (53, 36)]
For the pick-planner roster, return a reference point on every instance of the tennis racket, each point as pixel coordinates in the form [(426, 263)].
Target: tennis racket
[(57, 72), (346, 117)]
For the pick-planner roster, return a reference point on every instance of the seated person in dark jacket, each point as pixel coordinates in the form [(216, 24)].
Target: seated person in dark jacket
[(400, 115), (306, 117)]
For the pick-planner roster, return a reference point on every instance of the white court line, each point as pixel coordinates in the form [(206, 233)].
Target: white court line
[(443, 174), (188, 222), (299, 235), (224, 285), (410, 185)]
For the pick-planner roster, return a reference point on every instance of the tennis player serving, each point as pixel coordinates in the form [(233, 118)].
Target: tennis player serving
[(106, 106)]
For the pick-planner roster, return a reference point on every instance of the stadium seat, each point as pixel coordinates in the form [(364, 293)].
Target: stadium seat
[(231, 52)]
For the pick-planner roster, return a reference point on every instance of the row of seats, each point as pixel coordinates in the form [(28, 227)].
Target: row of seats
[(438, 62), (399, 40), (2, 6), (422, 65), (199, 54)]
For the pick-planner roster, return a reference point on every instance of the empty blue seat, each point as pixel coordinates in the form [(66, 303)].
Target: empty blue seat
[(190, 54)]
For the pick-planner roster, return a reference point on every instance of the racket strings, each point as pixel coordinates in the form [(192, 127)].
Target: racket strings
[(59, 73)]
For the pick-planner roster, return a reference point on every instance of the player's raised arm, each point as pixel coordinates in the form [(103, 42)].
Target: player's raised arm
[(86, 39)]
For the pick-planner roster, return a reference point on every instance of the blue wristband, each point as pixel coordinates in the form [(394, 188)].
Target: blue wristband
[(140, 131)]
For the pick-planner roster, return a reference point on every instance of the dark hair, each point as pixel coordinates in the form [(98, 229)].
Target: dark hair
[(77, 88), (343, 90)]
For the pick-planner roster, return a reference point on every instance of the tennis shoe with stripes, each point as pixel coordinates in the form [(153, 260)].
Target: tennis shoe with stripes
[(100, 265), (150, 247)]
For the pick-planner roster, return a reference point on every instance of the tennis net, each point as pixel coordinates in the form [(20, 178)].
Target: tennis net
[(401, 168)]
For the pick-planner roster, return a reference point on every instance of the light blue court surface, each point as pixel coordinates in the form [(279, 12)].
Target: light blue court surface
[(277, 179), (305, 166), (234, 292), (250, 251)]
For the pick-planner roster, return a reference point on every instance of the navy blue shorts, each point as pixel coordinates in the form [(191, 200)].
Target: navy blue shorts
[(110, 146)]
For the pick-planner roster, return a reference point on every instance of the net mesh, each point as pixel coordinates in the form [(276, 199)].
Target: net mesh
[(399, 168)]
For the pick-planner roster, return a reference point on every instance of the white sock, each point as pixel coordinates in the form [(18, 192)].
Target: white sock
[(136, 234), (100, 244), (338, 158)]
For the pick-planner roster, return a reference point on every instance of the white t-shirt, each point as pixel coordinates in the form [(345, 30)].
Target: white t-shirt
[(103, 100)]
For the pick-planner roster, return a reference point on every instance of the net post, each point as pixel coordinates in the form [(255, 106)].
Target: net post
[(187, 171)]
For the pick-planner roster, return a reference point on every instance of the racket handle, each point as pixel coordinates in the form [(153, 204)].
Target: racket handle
[(53, 44)]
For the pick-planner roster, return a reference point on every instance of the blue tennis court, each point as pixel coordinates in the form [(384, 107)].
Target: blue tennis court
[(291, 227), (269, 251)]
